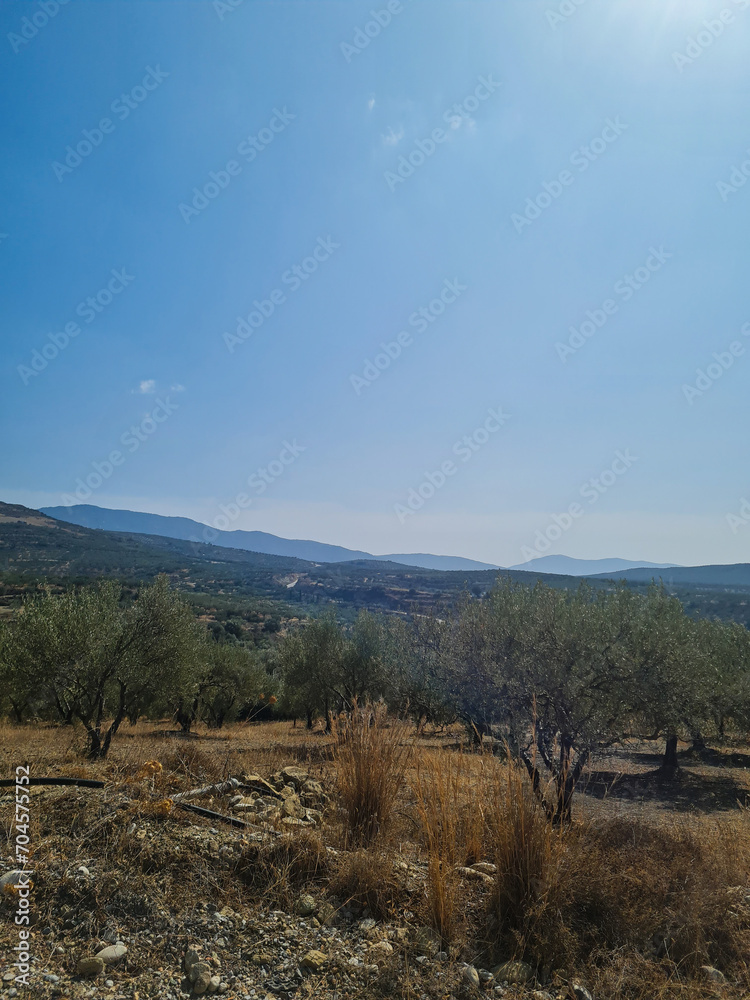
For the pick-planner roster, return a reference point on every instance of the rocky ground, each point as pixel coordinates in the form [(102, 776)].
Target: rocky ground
[(138, 896), (97, 933)]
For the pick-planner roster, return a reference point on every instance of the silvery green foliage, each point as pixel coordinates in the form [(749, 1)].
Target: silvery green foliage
[(94, 657)]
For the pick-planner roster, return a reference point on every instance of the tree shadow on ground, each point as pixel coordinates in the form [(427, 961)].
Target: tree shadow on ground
[(685, 792), (641, 757), (715, 758), (692, 755)]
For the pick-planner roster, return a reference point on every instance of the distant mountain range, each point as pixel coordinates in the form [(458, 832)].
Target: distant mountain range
[(186, 530), (586, 567), (35, 546), (135, 522)]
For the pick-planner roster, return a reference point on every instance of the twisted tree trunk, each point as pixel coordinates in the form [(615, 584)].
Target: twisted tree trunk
[(670, 765)]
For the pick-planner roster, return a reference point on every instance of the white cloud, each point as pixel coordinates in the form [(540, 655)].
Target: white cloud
[(147, 387), (371, 104), (393, 138)]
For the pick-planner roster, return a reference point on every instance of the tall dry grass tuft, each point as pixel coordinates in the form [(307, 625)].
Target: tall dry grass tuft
[(568, 898), (527, 851), (371, 753), (451, 820), (669, 891)]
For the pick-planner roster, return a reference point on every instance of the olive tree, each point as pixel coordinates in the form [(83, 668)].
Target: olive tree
[(360, 666), (543, 669), (565, 682), (227, 677), (311, 660), (21, 696), (673, 673), (725, 674), (97, 658), (482, 658), (414, 656)]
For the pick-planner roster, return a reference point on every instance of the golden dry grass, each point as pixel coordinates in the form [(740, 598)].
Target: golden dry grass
[(371, 754), (367, 877), (278, 870), (450, 808), (633, 898)]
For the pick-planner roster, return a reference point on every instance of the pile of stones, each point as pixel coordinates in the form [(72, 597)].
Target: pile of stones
[(289, 797)]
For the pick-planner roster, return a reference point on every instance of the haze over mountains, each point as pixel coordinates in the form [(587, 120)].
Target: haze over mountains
[(137, 522), (586, 567), (720, 575), (35, 546), (90, 516)]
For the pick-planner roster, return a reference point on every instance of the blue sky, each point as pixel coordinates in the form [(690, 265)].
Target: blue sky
[(591, 143)]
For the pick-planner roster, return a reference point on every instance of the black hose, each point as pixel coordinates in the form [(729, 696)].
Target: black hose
[(232, 820), (89, 783)]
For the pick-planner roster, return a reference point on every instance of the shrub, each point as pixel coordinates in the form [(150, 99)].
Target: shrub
[(565, 898), (278, 869)]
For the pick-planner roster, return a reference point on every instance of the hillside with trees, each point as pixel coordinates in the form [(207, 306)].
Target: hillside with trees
[(498, 771), (34, 546)]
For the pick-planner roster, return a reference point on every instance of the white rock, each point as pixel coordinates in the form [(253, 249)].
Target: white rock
[(112, 954), (16, 877), (471, 976), (475, 875), (485, 867)]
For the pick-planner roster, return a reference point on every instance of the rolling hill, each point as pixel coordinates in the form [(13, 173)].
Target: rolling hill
[(35, 548), (732, 575), (569, 566), (89, 516), (32, 542)]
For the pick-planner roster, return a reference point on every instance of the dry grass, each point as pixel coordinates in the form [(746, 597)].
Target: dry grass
[(633, 901), (279, 869), (367, 877), (371, 754), (145, 857), (473, 807), (637, 904), (451, 818), (673, 894), (526, 850), (194, 763)]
